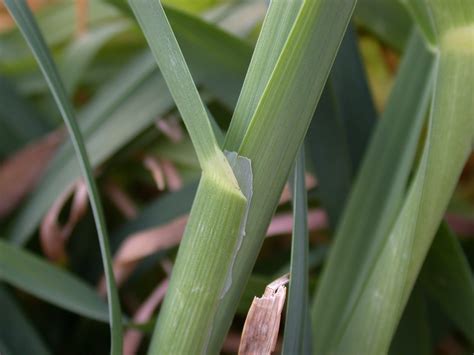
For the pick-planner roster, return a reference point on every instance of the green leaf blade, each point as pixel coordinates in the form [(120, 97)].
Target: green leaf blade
[(297, 305), (28, 272), (165, 48), (379, 187), (23, 16), (275, 30)]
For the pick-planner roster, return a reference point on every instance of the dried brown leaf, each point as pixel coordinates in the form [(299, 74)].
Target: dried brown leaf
[(53, 235), (261, 327), (462, 226), (171, 129), (148, 242), (20, 172), (142, 244), (152, 164), (133, 337), (82, 14), (121, 200), (283, 222), (173, 178)]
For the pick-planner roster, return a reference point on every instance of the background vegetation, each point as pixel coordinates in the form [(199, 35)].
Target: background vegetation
[(378, 155)]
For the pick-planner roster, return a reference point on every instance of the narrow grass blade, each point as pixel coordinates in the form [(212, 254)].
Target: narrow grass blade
[(276, 27), (379, 187), (447, 278), (165, 48), (31, 274), (23, 16), (280, 122), (298, 293), (17, 334)]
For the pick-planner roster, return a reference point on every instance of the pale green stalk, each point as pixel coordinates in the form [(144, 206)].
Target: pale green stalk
[(278, 127), (202, 272), (272, 136)]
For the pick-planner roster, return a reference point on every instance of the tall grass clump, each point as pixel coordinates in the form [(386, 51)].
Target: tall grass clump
[(199, 130)]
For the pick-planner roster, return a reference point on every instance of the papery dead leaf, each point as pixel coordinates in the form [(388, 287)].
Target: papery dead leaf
[(142, 244), (20, 172), (171, 129), (53, 235), (148, 242), (82, 12), (261, 327), (152, 164), (133, 337), (173, 179), (121, 200), (283, 222), (462, 226)]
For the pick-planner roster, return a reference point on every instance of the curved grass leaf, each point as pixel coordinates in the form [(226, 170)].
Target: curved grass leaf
[(34, 275), (379, 187), (298, 293), (448, 144), (23, 16), (17, 334)]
